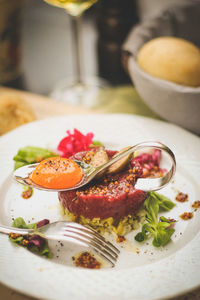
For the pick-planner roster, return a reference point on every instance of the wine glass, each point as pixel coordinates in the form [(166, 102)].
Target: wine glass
[(79, 91)]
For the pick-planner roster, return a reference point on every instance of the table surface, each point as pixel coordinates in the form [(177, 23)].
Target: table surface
[(122, 99)]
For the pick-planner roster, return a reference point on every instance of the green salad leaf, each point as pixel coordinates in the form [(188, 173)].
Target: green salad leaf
[(96, 144), (35, 243), (161, 229), (29, 155), (20, 223)]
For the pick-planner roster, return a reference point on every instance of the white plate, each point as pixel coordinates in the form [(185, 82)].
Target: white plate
[(151, 274)]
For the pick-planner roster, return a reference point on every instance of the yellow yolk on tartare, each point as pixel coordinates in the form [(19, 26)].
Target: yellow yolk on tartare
[(57, 173)]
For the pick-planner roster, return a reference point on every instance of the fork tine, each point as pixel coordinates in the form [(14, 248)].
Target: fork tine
[(82, 235), (94, 238), (95, 241), (106, 258), (97, 246), (92, 231)]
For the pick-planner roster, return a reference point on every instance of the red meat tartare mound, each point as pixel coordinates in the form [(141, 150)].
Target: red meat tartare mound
[(114, 195), (112, 203)]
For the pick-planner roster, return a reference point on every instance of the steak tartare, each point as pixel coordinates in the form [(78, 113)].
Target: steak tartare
[(112, 197)]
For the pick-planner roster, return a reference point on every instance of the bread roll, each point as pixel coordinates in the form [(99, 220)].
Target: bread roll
[(173, 59), (13, 112)]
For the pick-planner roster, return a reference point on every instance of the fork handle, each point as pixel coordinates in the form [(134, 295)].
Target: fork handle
[(7, 230)]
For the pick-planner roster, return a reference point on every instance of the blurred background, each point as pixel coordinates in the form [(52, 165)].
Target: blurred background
[(46, 47)]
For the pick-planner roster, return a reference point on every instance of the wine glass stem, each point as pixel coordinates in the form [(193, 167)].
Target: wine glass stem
[(76, 35)]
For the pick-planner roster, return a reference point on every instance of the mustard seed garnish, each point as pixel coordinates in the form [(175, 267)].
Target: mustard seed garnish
[(181, 197), (186, 216), (196, 204), (25, 243), (14, 235)]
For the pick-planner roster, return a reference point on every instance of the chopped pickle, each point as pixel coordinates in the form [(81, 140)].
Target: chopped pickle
[(119, 227), (120, 164), (99, 158)]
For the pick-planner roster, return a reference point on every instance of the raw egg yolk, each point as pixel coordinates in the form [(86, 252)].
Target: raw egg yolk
[(57, 173)]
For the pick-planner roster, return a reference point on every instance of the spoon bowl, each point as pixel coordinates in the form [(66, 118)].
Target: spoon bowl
[(22, 175)]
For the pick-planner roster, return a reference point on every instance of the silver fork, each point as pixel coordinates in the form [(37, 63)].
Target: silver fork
[(72, 232)]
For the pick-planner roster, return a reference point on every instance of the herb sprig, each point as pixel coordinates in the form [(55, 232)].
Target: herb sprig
[(161, 229)]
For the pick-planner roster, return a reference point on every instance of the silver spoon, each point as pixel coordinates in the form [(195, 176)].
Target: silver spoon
[(22, 175)]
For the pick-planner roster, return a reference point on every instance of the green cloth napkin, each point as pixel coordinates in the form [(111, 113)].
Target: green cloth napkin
[(123, 99)]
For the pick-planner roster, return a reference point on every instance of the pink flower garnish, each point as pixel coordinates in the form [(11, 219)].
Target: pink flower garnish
[(74, 143)]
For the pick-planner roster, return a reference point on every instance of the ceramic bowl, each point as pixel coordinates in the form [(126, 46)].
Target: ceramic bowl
[(173, 102)]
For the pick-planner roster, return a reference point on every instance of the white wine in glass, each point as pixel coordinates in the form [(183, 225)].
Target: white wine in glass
[(74, 7), (77, 92)]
